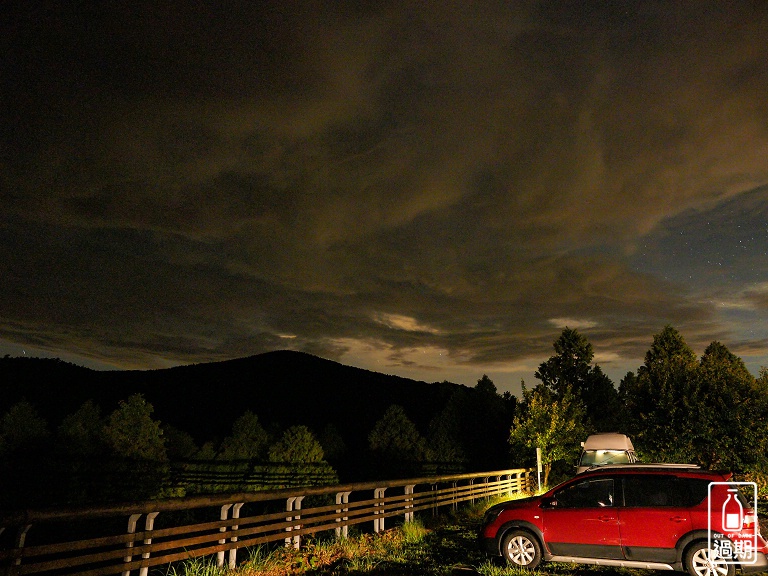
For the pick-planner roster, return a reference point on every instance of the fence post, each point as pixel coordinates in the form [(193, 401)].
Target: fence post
[(289, 508), (149, 525), (342, 498), (21, 538), (409, 502), (220, 554), (132, 520), (378, 523), (434, 500), (233, 551), (472, 490), (291, 505)]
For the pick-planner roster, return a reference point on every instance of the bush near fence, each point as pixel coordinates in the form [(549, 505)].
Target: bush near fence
[(27, 483)]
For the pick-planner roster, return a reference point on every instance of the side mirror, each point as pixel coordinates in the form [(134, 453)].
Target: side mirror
[(549, 503)]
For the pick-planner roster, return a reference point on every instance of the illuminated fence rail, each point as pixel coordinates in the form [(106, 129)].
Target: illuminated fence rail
[(95, 541)]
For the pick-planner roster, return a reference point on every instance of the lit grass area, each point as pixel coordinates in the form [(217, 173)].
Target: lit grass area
[(490, 568), (357, 554)]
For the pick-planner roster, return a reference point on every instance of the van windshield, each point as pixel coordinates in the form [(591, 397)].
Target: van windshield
[(592, 457)]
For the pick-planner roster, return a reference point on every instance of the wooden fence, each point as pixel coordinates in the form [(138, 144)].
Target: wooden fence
[(136, 536)]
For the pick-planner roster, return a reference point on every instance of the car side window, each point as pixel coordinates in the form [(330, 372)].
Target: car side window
[(663, 491), (649, 491), (693, 490), (590, 493)]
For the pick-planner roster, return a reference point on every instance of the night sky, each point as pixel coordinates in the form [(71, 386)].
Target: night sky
[(428, 189)]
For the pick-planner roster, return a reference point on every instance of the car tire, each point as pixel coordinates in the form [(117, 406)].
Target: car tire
[(521, 549), (701, 560)]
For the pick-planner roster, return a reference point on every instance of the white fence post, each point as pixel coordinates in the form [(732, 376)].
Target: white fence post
[(220, 554), (233, 551), (293, 504), (378, 523), (21, 538), (342, 498), (409, 502), (149, 525), (132, 520)]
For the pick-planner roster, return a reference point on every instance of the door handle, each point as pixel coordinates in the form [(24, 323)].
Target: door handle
[(604, 518), (677, 519)]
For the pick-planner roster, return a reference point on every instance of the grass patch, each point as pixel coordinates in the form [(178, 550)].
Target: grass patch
[(204, 566), (497, 568), (489, 568), (357, 554)]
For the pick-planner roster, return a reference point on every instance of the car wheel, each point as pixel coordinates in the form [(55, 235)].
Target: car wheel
[(701, 560), (522, 549)]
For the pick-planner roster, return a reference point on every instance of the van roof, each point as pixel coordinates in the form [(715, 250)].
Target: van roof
[(608, 441)]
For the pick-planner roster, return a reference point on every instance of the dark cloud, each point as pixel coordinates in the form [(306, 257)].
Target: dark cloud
[(435, 189)]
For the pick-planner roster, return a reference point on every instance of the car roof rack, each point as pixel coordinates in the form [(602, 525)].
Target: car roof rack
[(643, 465)]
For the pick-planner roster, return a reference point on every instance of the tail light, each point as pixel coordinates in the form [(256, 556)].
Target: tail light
[(750, 521)]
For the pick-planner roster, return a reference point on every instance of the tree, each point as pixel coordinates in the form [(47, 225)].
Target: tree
[(728, 411), (443, 440), (554, 423), (571, 368), (297, 445), (661, 397), (207, 452), (133, 434), (22, 430), (248, 440), (485, 446), (709, 412), (570, 365), (180, 444), (396, 443), (332, 442), (82, 433), (486, 385)]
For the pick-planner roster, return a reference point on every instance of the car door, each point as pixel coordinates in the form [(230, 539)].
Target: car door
[(581, 520), (654, 516)]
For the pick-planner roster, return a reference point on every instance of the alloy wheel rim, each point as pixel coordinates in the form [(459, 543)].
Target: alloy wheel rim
[(521, 550), (706, 562)]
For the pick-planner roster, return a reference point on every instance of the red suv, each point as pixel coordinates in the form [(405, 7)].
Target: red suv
[(636, 516)]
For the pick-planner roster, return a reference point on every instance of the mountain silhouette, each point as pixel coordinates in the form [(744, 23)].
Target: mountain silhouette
[(282, 388)]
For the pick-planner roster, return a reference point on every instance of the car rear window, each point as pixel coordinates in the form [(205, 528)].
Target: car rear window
[(660, 491)]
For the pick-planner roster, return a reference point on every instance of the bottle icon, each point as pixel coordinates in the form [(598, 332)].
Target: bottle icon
[(733, 512)]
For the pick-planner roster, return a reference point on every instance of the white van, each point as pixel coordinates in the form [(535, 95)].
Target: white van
[(606, 448)]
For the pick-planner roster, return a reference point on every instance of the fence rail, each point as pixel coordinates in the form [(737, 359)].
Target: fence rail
[(95, 541)]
